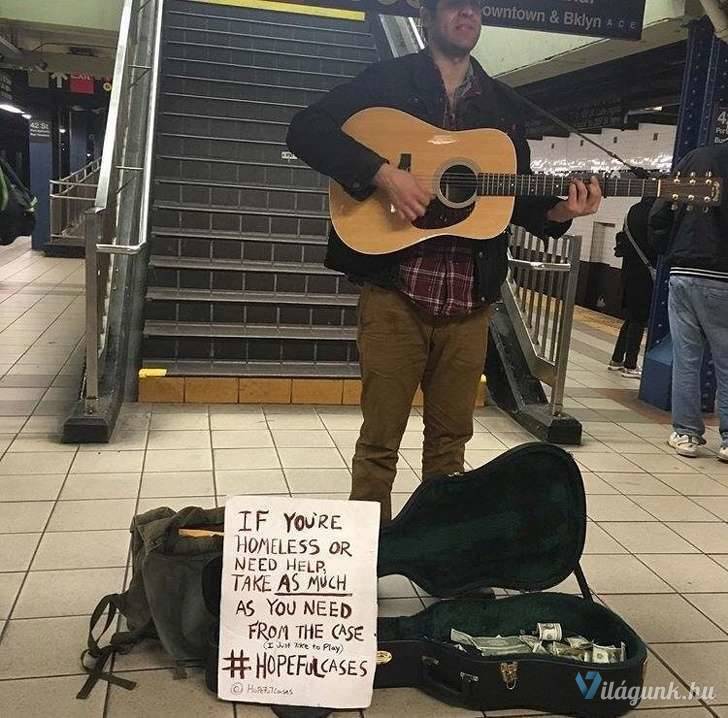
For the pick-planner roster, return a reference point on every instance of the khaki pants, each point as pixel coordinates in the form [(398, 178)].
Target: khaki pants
[(400, 348)]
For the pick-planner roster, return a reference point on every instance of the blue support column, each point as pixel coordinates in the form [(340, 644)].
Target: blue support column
[(704, 89), (79, 139), (41, 172)]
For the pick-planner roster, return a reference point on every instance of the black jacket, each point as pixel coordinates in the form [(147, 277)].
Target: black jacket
[(411, 84), (695, 239), (637, 282)]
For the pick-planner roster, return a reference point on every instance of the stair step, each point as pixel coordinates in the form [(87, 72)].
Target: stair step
[(245, 275), (222, 209), (283, 239), (221, 330), (243, 150), (209, 69), (73, 247), (257, 57), (253, 250), (278, 24), (228, 109), (250, 308), (240, 89), (222, 128), (281, 173), (238, 349), (205, 295), (292, 369), (239, 266), (240, 220), (248, 41), (317, 192), (291, 19), (243, 198)]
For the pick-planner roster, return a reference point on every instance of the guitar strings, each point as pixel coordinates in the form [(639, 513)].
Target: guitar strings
[(523, 182), (524, 178)]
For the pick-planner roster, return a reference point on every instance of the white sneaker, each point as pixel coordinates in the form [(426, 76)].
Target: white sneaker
[(615, 366), (684, 445), (635, 373), (723, 453)]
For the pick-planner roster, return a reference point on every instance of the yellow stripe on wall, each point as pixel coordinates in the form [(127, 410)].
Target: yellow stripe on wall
[(290, 7)]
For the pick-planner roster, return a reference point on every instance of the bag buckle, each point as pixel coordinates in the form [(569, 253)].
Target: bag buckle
[(509, 674)]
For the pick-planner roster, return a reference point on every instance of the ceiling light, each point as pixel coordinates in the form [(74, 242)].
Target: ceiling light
[(10, 108)]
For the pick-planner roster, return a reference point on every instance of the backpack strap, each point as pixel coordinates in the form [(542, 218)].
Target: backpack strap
[(638, 249), (120, 642), (583, 585), (4, 194)]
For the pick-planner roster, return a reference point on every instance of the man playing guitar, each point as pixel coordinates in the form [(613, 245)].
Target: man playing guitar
[(423, 311)]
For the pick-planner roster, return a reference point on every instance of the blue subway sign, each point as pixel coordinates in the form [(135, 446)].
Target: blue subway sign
[(597, 18)]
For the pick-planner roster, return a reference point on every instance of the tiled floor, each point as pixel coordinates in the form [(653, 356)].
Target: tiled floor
[(657, 545)]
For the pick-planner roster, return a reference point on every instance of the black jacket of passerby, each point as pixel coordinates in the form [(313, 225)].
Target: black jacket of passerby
[(412, 84), (695, 239), (637, 282)]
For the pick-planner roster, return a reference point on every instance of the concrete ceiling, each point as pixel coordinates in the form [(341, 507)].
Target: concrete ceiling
[(655, 35), (54, 49)]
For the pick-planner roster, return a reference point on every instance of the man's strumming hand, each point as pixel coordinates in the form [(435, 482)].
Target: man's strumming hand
[(408, 197)]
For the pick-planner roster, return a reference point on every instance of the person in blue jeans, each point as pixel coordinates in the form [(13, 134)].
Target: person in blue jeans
[(695, 244)]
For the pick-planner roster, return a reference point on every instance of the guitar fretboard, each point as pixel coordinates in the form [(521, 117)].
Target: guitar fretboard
[(507, 185)]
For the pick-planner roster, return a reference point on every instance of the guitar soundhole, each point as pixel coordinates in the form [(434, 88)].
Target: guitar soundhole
[(458, 184)]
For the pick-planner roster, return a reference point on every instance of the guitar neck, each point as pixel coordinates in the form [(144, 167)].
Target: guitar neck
[(506, 185)]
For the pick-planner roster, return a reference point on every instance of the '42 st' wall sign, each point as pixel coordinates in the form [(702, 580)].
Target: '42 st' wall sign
[(598, 18)]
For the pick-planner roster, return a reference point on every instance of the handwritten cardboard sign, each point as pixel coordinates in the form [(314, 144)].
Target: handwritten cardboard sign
[(299, 602)]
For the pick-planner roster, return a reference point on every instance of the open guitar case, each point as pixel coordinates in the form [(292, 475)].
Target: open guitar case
[(518, 523)]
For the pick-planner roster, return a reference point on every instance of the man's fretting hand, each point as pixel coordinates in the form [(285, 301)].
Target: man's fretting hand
[(584, 199)]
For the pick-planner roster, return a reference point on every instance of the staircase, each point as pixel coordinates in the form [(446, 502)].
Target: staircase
[(236, 284)]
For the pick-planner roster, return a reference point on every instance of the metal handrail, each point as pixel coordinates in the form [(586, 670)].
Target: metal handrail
[(146, 169), (538, 266), (69, 200), (64, 183), (415, 30), (402, 34), (539, 297), (78, 177), (108, 156), (117, 224)]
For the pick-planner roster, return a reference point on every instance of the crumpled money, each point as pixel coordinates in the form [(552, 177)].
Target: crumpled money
[(542, 642), (491, 645), (609, 654)]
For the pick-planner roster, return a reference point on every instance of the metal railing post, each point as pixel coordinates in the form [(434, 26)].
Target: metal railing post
[(92, 314), (566, 323)]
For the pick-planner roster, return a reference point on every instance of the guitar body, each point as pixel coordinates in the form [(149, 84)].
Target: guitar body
[(444, 160)]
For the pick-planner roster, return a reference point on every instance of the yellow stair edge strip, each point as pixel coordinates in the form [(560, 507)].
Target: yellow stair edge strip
[(148, 372), (290, 7)]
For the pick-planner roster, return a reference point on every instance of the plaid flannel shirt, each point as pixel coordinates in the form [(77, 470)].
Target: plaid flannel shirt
[(439, 274)]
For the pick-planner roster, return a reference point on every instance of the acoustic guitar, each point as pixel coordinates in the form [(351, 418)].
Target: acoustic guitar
[(472, 174)]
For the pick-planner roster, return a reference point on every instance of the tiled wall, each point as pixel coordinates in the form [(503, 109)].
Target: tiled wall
[(650, 146)]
